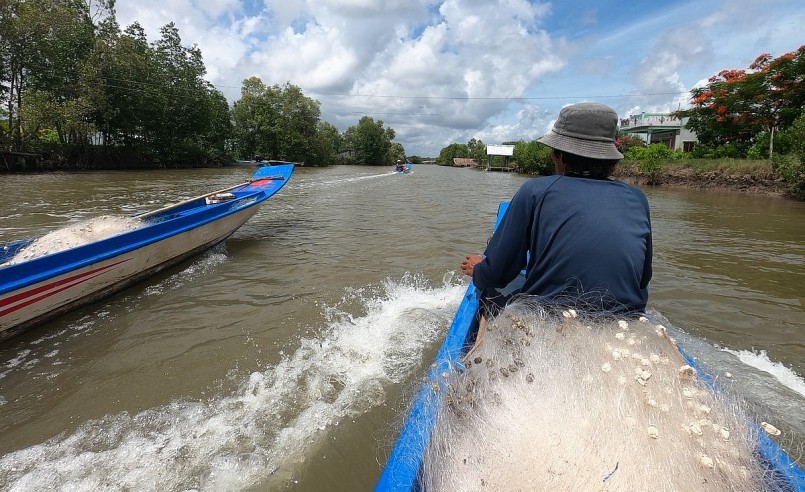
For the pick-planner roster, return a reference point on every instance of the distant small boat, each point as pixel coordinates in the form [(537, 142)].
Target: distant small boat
[(404, 466), (43, 287), (406, 168)]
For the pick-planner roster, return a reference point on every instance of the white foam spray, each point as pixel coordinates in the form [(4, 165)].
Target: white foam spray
[(257, 436), (760, 360)]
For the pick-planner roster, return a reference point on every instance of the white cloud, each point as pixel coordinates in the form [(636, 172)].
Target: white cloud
[(216, 8), (446, 71)]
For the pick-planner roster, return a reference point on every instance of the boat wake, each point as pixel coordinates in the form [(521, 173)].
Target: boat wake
[(760, 360), (354, 179), (257, 436)]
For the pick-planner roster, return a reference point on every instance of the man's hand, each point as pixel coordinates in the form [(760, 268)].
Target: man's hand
[(468, 265)]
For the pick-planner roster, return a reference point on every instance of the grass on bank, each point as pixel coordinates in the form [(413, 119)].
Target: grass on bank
[(728, 172), (657, 162), (726, 166)]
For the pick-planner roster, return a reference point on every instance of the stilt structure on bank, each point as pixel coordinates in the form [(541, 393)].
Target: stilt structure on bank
[(494, 152)]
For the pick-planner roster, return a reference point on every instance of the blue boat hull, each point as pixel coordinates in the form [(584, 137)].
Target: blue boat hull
[(43, 288)]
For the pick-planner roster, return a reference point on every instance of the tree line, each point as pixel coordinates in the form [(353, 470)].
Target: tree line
[(78, 91)]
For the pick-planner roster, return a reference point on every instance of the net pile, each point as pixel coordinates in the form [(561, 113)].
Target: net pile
[(548, 401), (75, 235)]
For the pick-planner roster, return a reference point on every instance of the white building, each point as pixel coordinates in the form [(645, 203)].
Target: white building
[(660, 128)]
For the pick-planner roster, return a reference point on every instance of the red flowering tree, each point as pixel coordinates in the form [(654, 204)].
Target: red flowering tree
[(736, 105)]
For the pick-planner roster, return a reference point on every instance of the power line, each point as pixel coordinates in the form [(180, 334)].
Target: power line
[(501, 98), (451, 98), (397, 114)]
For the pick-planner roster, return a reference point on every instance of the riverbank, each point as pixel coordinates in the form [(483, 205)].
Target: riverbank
[(747, 176), (100, 159)]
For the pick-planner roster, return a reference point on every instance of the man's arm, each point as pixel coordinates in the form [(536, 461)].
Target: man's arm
[(505, 255)]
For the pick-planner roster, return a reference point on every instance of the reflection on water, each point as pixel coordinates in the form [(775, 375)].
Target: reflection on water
[(285, 357)]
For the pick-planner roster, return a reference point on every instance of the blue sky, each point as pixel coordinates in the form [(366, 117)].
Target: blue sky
[(442, 72)]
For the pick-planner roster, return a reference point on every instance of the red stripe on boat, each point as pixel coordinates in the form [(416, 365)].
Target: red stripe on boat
[(70, 281)]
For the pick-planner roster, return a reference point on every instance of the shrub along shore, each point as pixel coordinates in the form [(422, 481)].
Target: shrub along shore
[(745, 175)]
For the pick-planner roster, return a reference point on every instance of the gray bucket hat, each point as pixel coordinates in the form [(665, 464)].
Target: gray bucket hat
[(585, 129)]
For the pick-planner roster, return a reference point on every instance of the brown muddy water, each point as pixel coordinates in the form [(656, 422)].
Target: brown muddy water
[(284, 359)]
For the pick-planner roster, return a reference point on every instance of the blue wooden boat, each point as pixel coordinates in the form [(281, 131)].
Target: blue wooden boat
[(404, 464), (41, 288)]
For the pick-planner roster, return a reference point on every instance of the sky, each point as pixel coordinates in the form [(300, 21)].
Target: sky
[(443, 72)]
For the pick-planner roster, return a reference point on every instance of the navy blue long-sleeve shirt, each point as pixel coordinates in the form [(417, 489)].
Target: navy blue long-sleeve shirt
[(589, 242)]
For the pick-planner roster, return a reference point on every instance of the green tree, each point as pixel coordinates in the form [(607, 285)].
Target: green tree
[(792, 166), (64, 36), (219, 125), (278, 123), (651, 160), (327, 144), (477, 150), (124, 84), (43, 44), (250, 115), (181, 100), (40, 42), (66, 83), (533, 157), (396, 152), (299, 117), (6, 30), (14, 41), (370, 142), (452, 151)]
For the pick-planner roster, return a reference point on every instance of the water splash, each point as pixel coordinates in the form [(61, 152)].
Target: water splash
[(273, 421), (760, 360)]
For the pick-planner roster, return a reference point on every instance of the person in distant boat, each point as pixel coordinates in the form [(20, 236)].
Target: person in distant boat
[(400, 167), (583, 239)]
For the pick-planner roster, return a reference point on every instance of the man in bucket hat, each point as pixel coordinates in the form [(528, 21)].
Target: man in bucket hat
[(583, 238)]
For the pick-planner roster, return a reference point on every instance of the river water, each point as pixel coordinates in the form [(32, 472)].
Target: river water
[(284, 359)]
